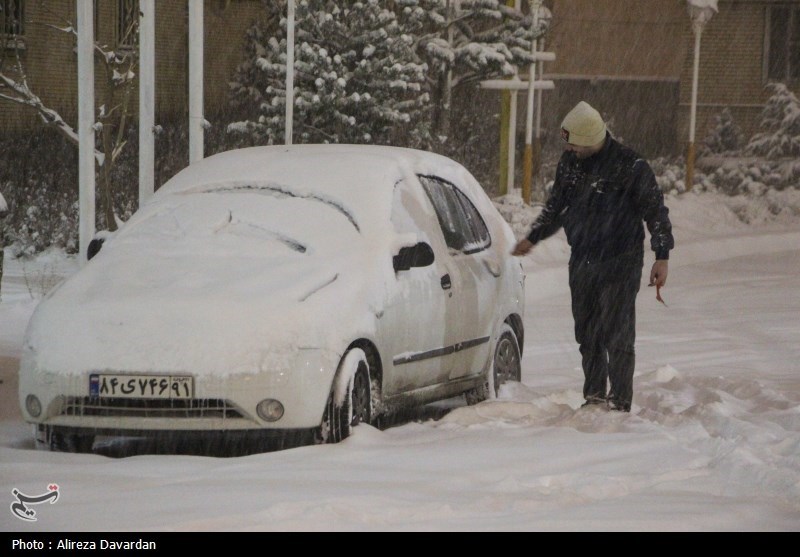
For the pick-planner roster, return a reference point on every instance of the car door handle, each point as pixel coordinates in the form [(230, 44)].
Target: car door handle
[(446, 284)]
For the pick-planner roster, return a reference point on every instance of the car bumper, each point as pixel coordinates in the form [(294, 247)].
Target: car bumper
[(219, 402)]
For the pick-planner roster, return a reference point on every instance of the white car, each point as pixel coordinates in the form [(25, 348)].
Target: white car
[(281, 290)]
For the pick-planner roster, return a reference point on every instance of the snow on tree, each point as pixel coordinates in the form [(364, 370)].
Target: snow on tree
[(467, 41), (781, 121), (356, 76), (375, 71), (113, 118), (488, 38), (725, 135)]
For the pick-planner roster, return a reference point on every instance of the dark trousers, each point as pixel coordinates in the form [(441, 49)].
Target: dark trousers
[(604, 309)]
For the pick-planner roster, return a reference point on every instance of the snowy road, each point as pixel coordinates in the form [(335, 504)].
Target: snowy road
[(712, 442)]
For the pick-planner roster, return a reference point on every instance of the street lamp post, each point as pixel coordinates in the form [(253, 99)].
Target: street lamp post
[(700, 11)]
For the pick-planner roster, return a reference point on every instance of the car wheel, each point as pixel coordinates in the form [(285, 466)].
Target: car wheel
[(350, 401), (505, 367)]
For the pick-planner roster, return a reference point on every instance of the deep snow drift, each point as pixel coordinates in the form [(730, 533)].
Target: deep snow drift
[(712, 442)]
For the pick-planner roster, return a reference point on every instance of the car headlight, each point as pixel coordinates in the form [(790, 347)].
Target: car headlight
[(33, 406), (269, 410)]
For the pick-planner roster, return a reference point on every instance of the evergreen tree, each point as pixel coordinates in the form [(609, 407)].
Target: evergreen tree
[(466, 41), (725, 136), (375, 71), (781, 121), (474, 39), (357, 78)]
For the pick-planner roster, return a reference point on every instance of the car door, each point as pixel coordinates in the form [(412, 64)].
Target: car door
[(474, 271), (419, 322)]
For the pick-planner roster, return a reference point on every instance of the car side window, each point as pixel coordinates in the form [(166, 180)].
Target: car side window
[(461, 223)]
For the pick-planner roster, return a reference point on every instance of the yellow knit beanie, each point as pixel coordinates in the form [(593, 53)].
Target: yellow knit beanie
[(583, 126)]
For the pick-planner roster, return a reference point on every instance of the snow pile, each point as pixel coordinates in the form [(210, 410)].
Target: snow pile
[(519, 215), (760, 180)]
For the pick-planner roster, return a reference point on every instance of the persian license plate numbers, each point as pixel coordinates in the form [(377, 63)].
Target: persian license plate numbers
[(141, 386)]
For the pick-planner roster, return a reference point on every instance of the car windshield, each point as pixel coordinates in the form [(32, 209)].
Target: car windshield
[(278, 190), (271, 218)]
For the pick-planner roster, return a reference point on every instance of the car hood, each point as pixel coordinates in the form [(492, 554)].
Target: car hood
[(205, 313)]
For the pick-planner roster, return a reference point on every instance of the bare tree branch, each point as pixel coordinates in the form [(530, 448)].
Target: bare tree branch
[(113, 119), (25, 97)]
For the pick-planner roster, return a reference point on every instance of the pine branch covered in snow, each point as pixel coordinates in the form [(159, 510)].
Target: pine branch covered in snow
[(374, 71), (781, 121), (725, 135), (356, 76), (482, 37)]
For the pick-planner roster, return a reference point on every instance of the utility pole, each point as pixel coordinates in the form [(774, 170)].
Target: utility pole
[(289, 71), (86, 118), (196, 111), (147, 99), (508, 131), (508, 115), (528, 161)]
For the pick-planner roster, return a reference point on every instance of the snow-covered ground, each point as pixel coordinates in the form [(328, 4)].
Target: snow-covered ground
[(712, 442)]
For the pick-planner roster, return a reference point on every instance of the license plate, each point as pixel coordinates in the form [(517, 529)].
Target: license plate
[(141, 386)]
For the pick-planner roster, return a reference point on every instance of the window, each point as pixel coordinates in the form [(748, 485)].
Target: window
[(783, 42), (127, 22), (12, 17), (461, 223)]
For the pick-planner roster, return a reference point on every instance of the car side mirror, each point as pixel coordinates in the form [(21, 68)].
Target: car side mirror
[(419, 255), (94, 247)]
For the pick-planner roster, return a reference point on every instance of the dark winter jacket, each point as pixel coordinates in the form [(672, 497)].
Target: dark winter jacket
[(602, 201)]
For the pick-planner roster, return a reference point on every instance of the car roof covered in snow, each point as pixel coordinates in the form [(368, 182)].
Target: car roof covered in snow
[(358, 178), (350, 170)]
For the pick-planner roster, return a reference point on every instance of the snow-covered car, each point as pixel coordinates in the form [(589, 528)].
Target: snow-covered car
[(278, 290)]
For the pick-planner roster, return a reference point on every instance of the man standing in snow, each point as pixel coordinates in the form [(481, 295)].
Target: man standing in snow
[(603, 192)]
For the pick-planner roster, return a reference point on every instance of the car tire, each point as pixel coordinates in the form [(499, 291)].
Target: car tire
[(350, 400), (505, 366)]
